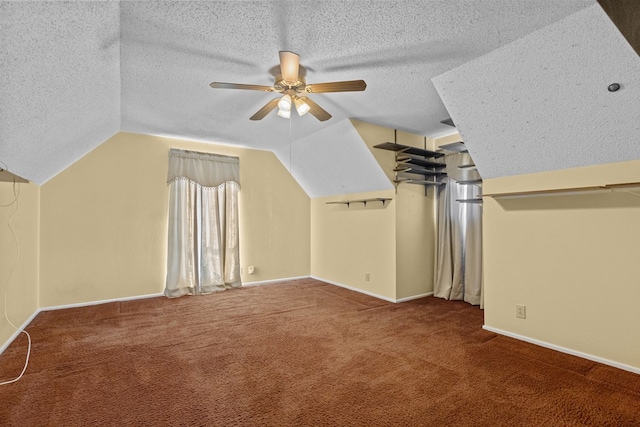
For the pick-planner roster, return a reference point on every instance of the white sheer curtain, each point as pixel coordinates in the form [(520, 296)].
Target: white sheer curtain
[(458, 273), (203, 245)]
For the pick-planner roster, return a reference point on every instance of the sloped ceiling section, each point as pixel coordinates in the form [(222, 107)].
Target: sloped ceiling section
[(334, 161), (60, 81), (541, 102)]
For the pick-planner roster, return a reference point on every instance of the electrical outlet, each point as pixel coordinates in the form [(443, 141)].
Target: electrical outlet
[(251, 269), (521, 311), (367, 277)]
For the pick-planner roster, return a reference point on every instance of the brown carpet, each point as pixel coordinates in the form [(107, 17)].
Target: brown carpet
[(300, 353)]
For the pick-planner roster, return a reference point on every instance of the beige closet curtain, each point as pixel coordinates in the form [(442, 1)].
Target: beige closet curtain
[(203, 243), (458, 273)]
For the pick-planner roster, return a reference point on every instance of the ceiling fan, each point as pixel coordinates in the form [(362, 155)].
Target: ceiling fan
[(292, 85)]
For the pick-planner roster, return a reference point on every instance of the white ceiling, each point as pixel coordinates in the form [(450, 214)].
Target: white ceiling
[(335, 160), (550, 108), (74, 73)]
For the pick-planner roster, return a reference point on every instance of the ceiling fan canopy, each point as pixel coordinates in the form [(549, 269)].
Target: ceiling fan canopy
[(295, 90)]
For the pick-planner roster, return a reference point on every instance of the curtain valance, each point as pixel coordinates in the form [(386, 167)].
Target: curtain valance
[(208, 170)]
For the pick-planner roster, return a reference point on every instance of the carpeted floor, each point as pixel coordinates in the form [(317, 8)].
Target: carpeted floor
[(300, 353)]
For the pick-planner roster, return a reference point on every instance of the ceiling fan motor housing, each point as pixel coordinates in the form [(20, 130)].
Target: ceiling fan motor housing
[(282, 85)]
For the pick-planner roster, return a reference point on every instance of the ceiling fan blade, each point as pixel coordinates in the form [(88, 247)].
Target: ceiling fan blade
[(289, 65), (261, 113), (346, 86), (218, 85), (317, 111)]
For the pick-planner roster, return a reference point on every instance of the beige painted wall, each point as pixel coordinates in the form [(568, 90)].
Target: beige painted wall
[(572, 259), (104, 220), (415, 231), (415, 241), (395, 246), (349, 241), (21, 285)]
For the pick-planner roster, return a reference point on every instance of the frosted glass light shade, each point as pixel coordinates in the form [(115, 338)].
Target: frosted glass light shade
[(285, 103), (284, 113), (301, 107)]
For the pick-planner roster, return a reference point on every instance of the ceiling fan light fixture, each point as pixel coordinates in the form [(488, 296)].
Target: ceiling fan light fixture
[(285, 103), (284, 113), (291, 83), (301, 107)]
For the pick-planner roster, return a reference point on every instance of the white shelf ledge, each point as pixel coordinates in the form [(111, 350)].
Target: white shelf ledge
[(607, 188), (476, 200)]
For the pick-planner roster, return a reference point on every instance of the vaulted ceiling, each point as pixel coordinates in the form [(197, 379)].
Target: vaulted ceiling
[(511, 73)]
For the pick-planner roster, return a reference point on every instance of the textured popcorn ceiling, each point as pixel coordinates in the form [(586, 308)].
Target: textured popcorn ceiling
[(59, 83), (541, 103), (74, 73)]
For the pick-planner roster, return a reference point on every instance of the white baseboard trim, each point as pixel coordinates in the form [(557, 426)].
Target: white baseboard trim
[(266, 282), (428, 294), (371, 294), (19, 331), (351, 288), (104, 301), (561, 349)]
